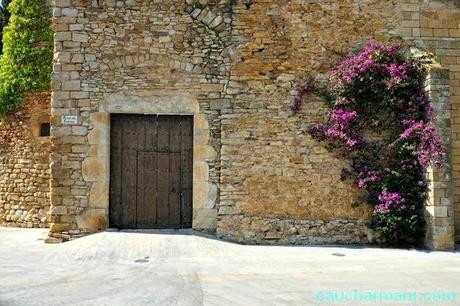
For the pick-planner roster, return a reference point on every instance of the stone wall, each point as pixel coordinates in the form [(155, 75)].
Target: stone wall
[(435, 25), (231, 64), (147, 57), (439, 209), (24, 164), (278, 185), (234, 65)]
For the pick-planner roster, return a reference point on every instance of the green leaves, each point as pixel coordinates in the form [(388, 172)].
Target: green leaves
[(26, 63)]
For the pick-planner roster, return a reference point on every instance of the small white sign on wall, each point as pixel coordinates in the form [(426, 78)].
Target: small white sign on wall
[(69, 119)]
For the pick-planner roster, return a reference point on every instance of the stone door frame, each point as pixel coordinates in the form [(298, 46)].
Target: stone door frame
[(153, 103)]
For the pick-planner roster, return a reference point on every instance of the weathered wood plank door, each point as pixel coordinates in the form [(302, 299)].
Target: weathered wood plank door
[(151, 171)]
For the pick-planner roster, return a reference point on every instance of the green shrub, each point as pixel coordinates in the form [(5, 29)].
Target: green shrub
[(27, 58)]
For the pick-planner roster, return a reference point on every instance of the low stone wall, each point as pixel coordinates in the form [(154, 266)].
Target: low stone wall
[(24, 165), (266, 230)]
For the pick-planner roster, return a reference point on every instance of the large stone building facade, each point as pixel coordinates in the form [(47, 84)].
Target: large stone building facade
[(233, 66)]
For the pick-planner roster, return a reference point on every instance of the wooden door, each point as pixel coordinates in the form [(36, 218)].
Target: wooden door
[(151, 171)]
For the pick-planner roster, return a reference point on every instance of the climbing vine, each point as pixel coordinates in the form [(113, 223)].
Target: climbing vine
[(381, 119), (26, 62)]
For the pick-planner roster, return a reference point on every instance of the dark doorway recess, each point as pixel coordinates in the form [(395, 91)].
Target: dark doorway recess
[(151, 162)]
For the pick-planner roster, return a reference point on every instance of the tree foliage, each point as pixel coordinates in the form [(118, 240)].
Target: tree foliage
[(26, 62)]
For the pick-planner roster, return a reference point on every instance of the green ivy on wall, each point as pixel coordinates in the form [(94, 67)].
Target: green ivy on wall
[(26, 63)]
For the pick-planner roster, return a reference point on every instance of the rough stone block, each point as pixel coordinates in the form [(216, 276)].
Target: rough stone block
[(59, 227), (204, 218), (80, 37), (53, 240), (71, 85), (99, 195), (94, 169), (62, 36), (70, 12), (58, 210), (92, 220)]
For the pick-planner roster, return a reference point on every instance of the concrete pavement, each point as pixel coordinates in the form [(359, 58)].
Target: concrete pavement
[(179, 268)]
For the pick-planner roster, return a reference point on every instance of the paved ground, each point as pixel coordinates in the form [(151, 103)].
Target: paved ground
[(178, 268)]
